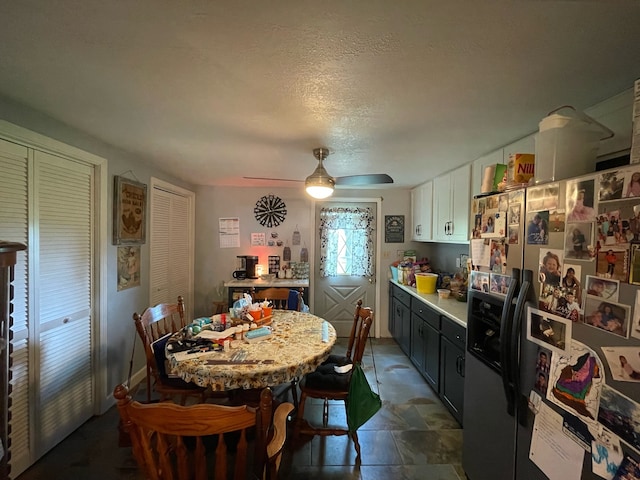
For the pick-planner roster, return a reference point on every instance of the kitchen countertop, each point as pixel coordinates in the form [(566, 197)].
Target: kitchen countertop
[(276, 282), (452, 308)]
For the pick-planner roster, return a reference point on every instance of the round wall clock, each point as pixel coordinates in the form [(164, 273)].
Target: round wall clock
[(270, 211)]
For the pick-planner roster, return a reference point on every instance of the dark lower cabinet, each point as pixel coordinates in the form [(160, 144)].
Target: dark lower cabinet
[(400, 317), (431, 370), (402, 325), (425, 341), (452, 351), (434, 343)]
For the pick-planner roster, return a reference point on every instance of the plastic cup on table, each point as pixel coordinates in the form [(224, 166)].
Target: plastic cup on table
[(256, 314), (267, 311)]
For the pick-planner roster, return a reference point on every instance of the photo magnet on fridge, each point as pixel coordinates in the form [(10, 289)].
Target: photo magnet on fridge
[(576, 430), (576, 381)]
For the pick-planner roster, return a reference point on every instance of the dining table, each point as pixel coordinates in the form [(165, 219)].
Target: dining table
[(297, 344)]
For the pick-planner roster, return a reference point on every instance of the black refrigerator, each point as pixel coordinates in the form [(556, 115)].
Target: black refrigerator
[(571, 237)]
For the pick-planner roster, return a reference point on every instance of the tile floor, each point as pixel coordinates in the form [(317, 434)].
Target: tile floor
[(413, 436)]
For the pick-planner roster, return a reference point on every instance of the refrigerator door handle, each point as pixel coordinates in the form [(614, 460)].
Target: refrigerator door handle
[(506, 322), (514, 341)]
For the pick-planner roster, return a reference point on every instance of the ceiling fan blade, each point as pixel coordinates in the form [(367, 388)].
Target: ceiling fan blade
[(272, 179), (368, 179)]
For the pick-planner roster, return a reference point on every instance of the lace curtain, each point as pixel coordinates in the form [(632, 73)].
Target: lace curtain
[(346, 243)]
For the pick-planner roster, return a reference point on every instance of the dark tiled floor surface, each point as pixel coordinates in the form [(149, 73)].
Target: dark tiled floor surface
[(413, 436)]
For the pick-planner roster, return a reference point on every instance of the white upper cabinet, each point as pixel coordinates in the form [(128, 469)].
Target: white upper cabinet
[(451, 198), (421, 212)]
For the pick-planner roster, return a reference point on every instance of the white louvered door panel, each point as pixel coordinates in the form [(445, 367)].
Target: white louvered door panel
[(63, 298), (170, 243), (14, 221), (159, 233)]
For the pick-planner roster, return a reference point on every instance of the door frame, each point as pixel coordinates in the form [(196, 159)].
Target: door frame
[(378, 256)]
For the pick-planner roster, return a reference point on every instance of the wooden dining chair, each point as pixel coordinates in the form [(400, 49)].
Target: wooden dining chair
[(327, 384), (154, 327), (280, 298), (172, 441), (354, 337)]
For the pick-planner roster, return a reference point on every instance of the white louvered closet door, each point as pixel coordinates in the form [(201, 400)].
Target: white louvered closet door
[(62, 312), (171, 247), (14, 222)]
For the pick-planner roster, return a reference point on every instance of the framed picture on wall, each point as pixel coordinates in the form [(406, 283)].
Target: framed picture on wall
[(394, 229), (128, 267), (129, 212)]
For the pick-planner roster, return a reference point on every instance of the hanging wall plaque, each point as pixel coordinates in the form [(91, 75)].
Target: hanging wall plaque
[(270, 211), (394, 228)]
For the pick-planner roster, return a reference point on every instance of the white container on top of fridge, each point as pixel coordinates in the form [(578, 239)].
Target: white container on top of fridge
[(567, 144)]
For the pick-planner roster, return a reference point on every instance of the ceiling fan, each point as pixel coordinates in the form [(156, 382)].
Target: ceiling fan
[(320, 184)]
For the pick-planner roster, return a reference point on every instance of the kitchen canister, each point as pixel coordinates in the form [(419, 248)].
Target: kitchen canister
[(567, 144), (426, 282)]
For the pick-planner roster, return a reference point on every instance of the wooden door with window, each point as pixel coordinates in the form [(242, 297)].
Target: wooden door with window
[(344, 261)]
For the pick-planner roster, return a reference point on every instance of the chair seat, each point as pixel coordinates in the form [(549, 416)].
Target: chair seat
[(326, 378), (339, 360)]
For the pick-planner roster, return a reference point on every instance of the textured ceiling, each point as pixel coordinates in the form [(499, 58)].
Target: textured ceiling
[(212, 91)]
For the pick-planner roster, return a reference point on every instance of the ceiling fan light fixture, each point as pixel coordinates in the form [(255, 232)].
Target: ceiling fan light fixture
[(320, 184)]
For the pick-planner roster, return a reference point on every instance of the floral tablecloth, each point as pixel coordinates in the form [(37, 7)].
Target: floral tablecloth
[(294, 349)]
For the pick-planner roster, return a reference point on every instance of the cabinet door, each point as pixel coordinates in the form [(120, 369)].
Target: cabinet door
[(427, 211), (402, 326), (417, 342), (442, 204), (421, 211), (431, 342), (452, 377), (403, 323), (452, 201), (396, 317), (417, 204), (390, 317), (458, 230)]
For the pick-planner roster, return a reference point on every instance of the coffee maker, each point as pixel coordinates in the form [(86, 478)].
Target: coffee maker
[(246, 267)]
